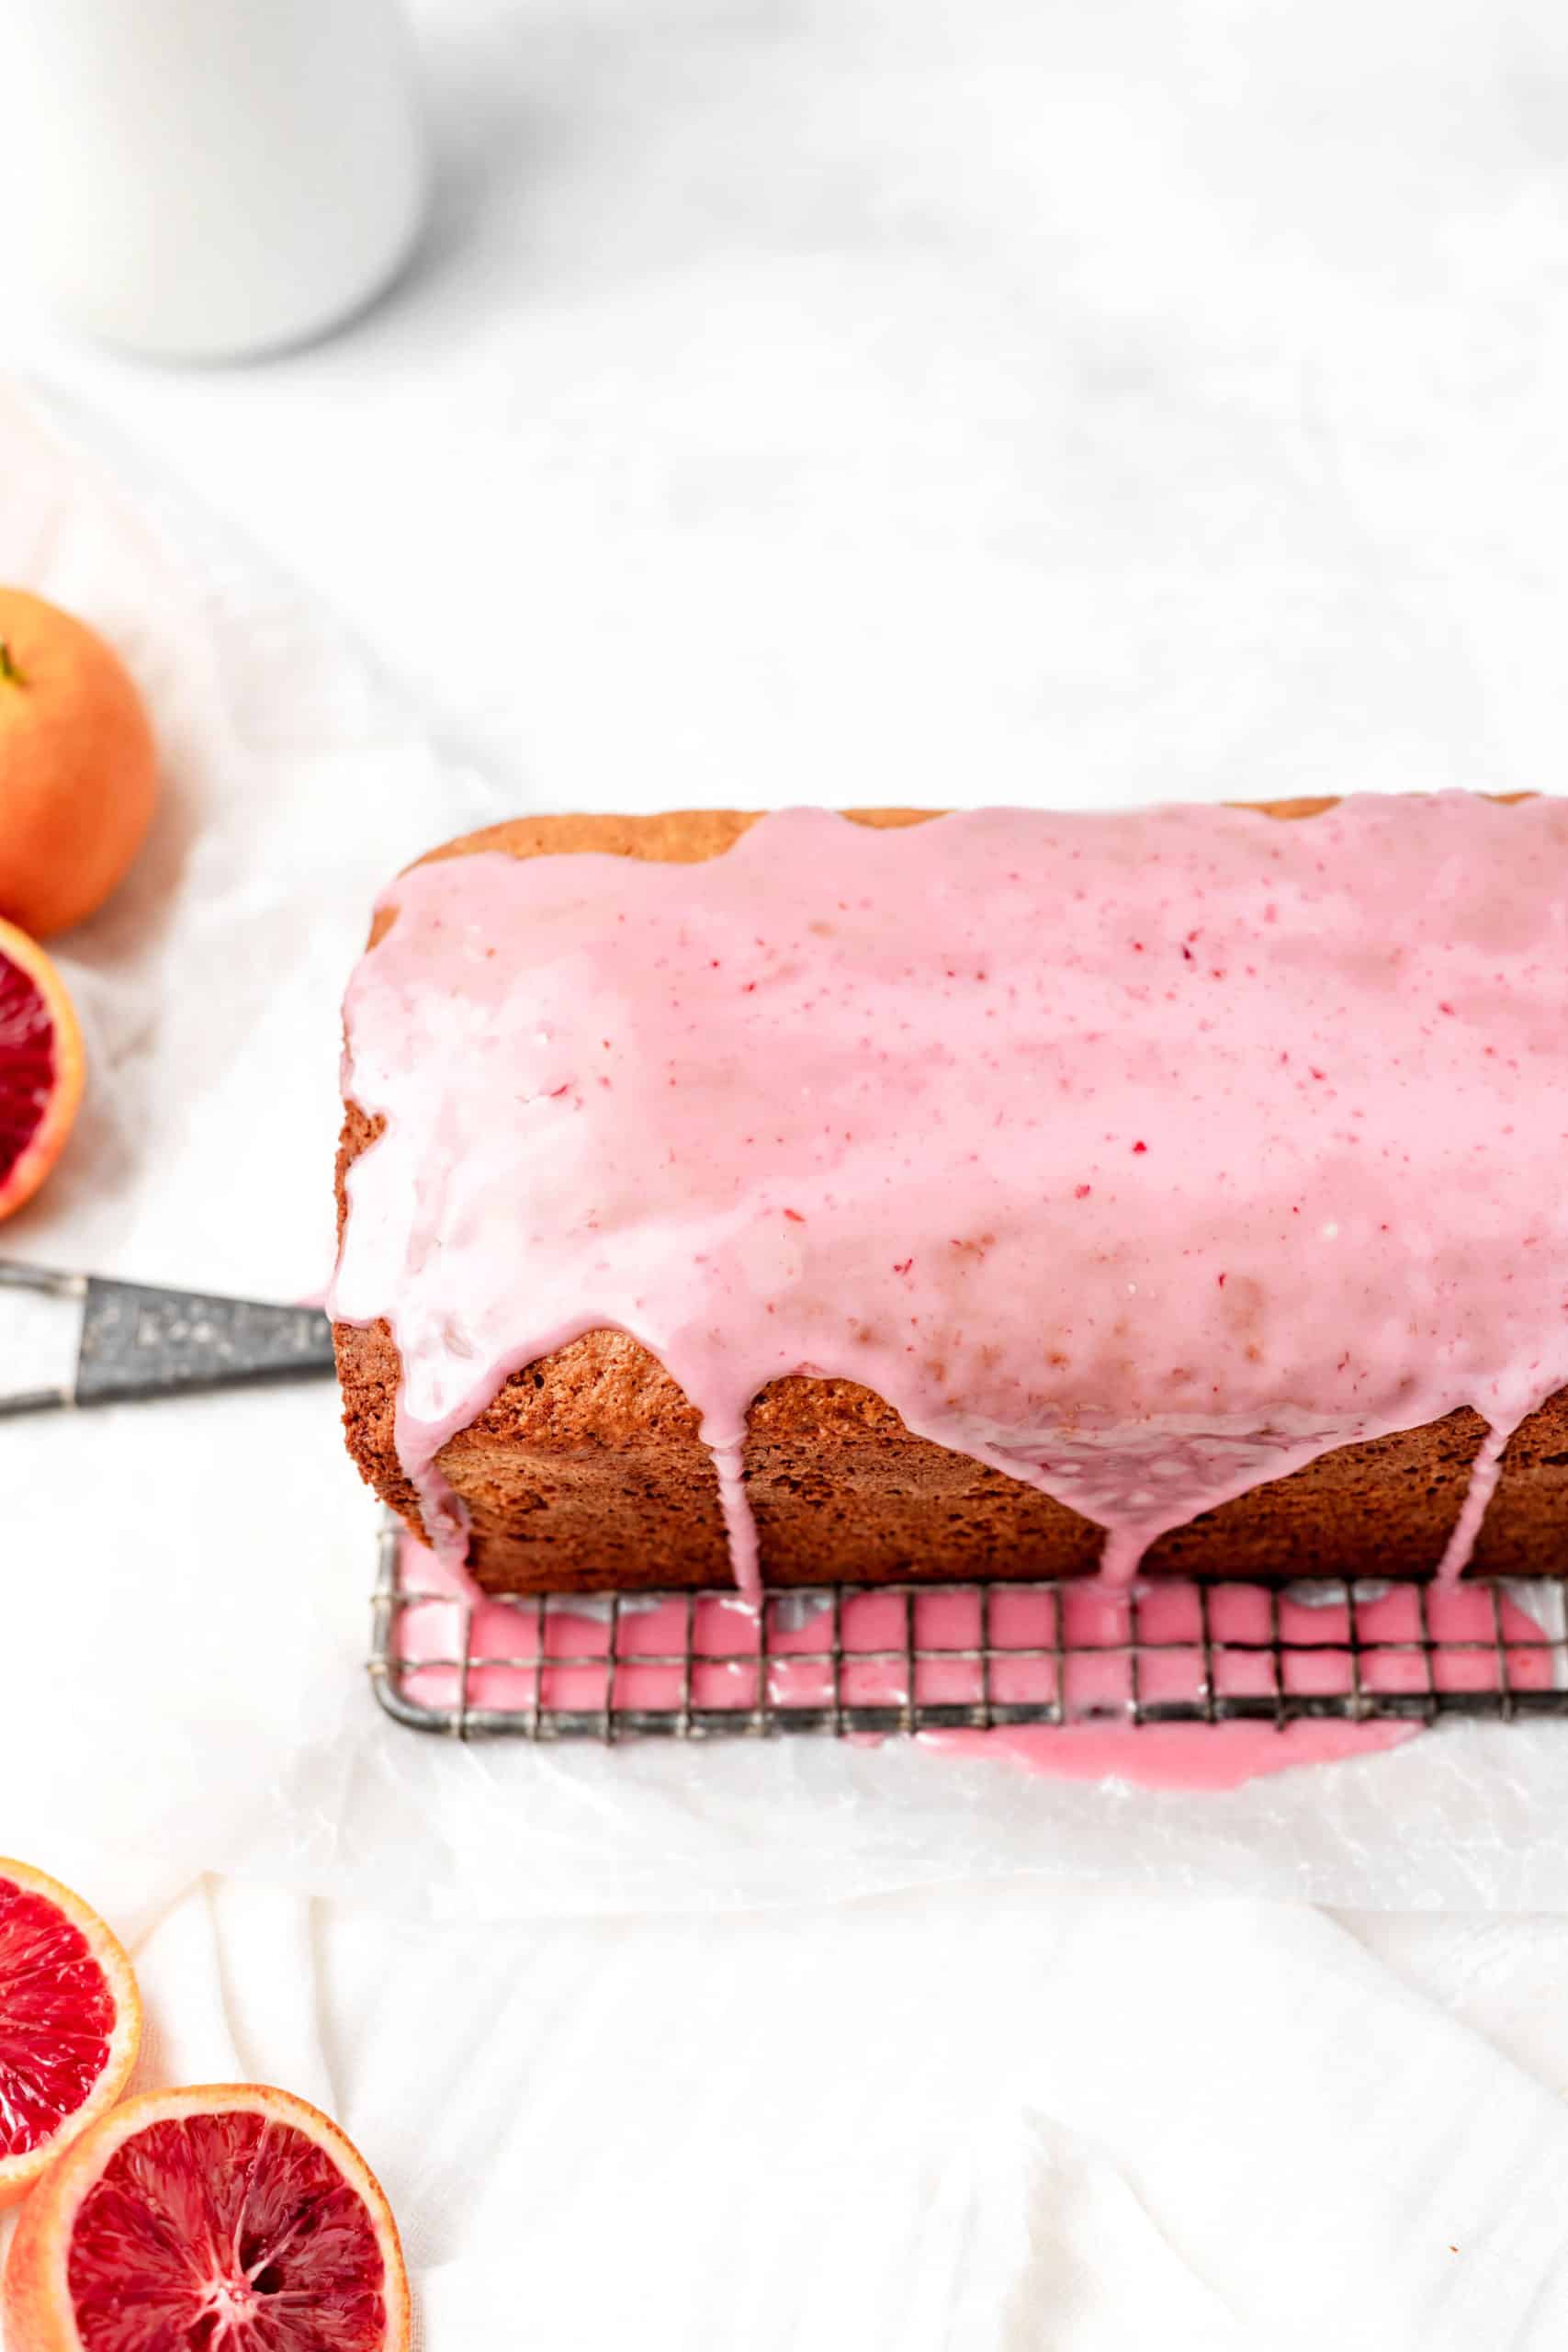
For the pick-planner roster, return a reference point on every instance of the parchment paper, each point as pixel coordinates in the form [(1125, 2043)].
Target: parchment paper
[(185, 1587)]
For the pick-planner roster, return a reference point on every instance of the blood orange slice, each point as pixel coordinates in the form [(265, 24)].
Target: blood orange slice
[(41, 1066), (70, 2022), (229, 2218)]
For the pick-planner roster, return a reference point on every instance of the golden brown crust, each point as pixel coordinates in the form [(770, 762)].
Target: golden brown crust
[(587, 1471)]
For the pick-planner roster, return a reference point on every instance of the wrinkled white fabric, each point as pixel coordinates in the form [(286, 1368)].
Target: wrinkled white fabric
[(958, 2119)]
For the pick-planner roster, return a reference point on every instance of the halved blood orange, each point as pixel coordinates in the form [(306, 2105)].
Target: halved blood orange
[(41, 1066), (232, 2218), (70, 2022)]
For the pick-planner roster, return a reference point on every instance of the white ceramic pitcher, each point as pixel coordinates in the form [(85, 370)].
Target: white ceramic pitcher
[(205, 179)]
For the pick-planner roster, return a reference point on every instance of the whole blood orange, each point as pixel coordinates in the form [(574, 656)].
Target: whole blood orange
[(70, 2022), (78, 766), (235, 2218), (41, 1066)]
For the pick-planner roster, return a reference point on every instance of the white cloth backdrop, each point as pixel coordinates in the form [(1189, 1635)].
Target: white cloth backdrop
[(918, 401)]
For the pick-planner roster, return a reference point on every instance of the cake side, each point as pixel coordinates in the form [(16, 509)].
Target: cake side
[(587, 1470)]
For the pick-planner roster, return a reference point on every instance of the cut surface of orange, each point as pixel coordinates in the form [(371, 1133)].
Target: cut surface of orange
[(41, 1066), (233, 2217), (70, 2022)]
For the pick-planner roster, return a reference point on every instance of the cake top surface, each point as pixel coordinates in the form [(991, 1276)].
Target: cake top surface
[(1141, 1157)]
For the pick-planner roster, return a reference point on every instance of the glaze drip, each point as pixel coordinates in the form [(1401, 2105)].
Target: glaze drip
[(1143, 1157)]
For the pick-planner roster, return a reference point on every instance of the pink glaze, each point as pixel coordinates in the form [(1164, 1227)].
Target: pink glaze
[(1142, 1157), (1195, 1756), (564, 1652)]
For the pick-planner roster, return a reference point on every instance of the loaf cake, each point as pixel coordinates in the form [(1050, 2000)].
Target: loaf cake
[(815, 1199)]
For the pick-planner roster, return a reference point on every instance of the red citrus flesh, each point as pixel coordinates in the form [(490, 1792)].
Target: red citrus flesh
[(70, 2022), (26, 1062), (41, 1066), (229, 2225), (232, 2218), (57, 2015)]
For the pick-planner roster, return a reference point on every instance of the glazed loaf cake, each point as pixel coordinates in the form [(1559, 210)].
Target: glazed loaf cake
[(1100, 999)]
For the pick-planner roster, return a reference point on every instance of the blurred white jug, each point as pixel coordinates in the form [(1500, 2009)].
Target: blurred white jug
[(204, 179)]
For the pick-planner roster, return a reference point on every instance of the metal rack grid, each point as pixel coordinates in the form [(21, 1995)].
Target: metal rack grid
[(902, 1658)]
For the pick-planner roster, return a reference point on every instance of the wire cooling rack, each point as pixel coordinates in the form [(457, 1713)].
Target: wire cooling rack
[(973, 1656)]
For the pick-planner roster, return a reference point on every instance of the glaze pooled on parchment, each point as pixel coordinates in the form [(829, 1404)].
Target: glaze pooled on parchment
[(1141, 1157)]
